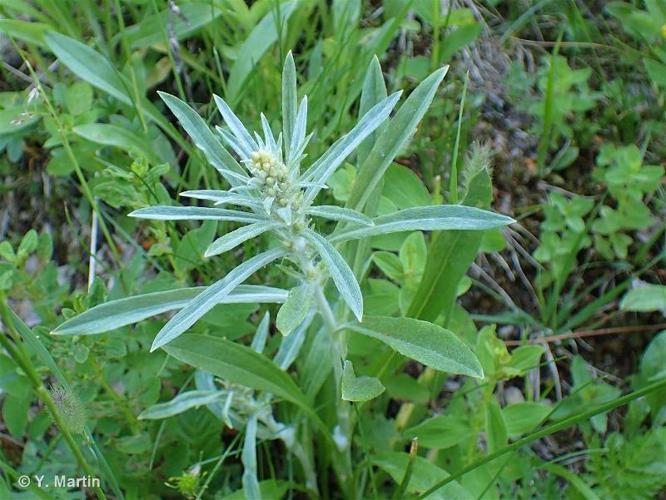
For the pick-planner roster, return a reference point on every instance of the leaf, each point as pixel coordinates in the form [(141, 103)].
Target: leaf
[(424, 474), (113, 135), (359, 388), (117, 313), (235, 363), (496, 432), (165, 212), (212, 296), (236, 126), (398, 131), (449, 256), (645, 299), (205, 140), (88, 64), (326, 165), (295, 309), (261, 335), (422, 341), (249, 459), (342, 275), (333, 212), (289, 97), (522, 418), (29, 32), (437, 217), (238, 236), (404, 188), (372, 92), (262, 36), (180, 404), (291, 345), (190, 18), (441, 431)]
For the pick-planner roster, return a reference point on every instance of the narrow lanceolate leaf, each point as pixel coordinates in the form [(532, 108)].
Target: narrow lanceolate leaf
[(261, 335), (425, 342), (359, 388), (181, 403), (122, 312), (212, 296), (298, 136), (113, 135), (294, 310), (288, 99), (431, 218), (249, 459), (237, 364), (204, 139), (393, 138), (238, 236), (334, 212), (372, 92), (342, 275), (291, 345), (89, 65), (326, 165), (223, 198), (165, 212), (236, 126)]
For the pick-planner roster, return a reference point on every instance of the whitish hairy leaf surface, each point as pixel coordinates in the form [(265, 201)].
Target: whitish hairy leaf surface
[(359, 388), (398, 132), (340, 272), (425, 342), (235, 363), (238, 236), (336, 213), (236, 126), (326, 165), (289, 97), (181, 403), (204, 139), (193, 213), (116, 313), (431, 218), (212, 296), (295, 309)]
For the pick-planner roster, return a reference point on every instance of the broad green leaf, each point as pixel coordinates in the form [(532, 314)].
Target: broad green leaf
[(113, 135), (333, 212), (165, 212), (212, 296), (151, 29), (181, 403), (390, 265), (295, 309), (238, 236), (645, 299), (449, 256), (441, 431), (522, 418), (425, 342), (90, 65), (359, 389), (30, 32), (326, 165), (396, 134), (424, 475), (431, 218), (235, 363), (342, 275), (263, 35), (496, 433), (116, 313), (205, 140), (404, 188)]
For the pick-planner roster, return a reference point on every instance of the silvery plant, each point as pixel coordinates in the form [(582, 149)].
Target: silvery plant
[(273, 188)]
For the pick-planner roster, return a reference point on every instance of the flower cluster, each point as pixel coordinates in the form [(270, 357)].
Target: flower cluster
[(273, 179)]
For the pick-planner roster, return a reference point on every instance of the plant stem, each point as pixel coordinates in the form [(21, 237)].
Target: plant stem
[(21, 359)]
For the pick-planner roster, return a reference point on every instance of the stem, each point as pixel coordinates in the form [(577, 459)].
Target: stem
[(23, 362)]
